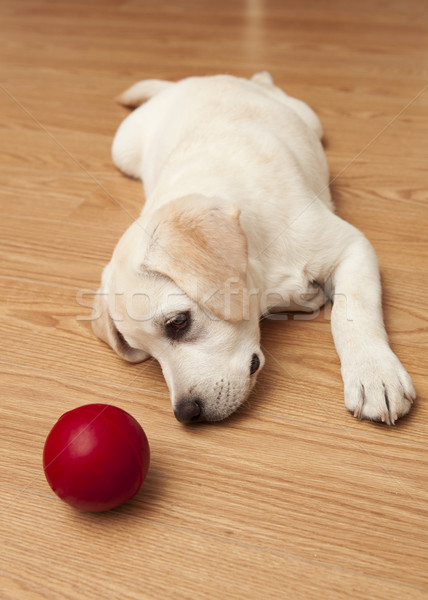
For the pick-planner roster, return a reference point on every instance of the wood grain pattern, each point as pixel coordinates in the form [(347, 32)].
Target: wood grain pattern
[(291, 497), (312, 476)]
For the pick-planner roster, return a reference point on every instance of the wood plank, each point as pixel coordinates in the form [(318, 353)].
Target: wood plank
[(54, 321), (62, 254), (404, 293), (37, 567), (294, 489), (115, 204), (403, 245), (42, 195), (291, 497), (383, 184), (26, 144), (301, 379), (307, 384)]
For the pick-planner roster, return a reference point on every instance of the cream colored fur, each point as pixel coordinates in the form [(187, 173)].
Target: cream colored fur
[(237, 223)]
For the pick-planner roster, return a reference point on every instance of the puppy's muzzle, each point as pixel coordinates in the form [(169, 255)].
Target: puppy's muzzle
[(190, 410)]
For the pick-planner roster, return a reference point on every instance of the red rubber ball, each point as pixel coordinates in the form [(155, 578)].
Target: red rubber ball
[(96, 457)]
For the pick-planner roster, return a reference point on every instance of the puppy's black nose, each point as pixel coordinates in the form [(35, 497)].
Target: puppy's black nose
[(188, 411), (255, 364)]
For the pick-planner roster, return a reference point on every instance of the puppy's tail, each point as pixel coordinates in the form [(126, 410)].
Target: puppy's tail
[(142, 91)]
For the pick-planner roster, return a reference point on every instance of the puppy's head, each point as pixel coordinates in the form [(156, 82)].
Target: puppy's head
[(176, 290)]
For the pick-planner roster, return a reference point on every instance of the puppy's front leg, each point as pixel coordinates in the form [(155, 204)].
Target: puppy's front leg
[(377, 386)]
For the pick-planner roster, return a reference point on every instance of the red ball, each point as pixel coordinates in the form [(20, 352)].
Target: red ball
[(96, 457)]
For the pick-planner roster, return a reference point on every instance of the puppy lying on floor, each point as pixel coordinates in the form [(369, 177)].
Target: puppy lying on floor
[(237, 223)]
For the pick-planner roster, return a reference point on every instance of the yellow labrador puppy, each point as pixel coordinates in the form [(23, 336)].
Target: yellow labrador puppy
[(237, 223)]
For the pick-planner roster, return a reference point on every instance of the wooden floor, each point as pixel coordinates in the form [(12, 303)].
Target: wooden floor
[(292, 497)]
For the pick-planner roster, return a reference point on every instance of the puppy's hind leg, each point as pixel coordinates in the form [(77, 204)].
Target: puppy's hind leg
[(127, 149), (128, 144), (307, 115), (263, 78), (142, 91)]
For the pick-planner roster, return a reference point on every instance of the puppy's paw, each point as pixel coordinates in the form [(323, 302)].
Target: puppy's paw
[(377, 387)]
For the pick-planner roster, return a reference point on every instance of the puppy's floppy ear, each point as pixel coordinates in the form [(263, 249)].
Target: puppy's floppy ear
[(198, 242), (103, 326)]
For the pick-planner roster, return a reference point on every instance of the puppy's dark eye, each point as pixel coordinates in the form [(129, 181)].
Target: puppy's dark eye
[(177, 326)]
